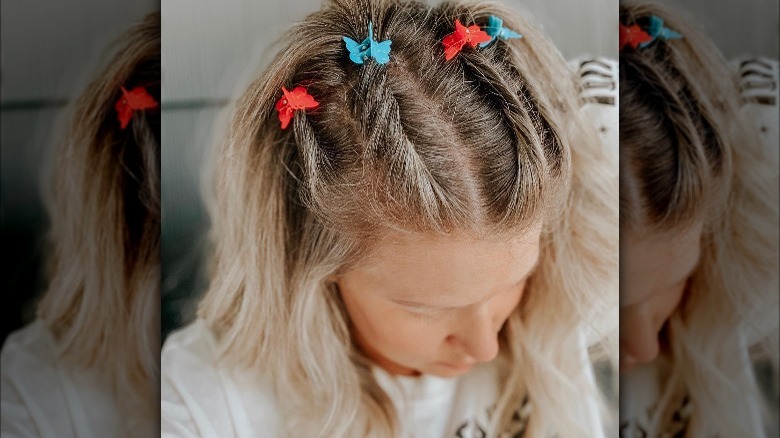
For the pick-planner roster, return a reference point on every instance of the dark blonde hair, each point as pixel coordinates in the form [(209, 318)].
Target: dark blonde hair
[(489, 142), (674, 152), (687, 155), (103, 199)]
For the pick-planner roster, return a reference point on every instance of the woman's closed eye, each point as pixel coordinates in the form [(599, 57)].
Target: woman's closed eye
[(422, 311), (426, 313)]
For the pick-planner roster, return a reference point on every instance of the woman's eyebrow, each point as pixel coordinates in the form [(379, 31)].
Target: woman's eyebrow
[(412, 303)]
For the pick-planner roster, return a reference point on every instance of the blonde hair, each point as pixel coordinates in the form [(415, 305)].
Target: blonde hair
[(488, 142), (103, 199), (687, 155)]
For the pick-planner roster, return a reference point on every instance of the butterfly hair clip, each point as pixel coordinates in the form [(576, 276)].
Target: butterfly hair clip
[(657, 30), (369, 48), (297, 99), (633, 36), (495, 29), (136, 99), (472, 35)]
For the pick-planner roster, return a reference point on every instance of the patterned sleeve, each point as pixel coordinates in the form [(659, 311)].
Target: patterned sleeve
[(758, 86), (598, 94)]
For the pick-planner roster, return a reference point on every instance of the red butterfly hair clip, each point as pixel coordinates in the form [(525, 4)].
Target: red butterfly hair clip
[(136, 99), (472, 35), (293, 100), (633, 36)]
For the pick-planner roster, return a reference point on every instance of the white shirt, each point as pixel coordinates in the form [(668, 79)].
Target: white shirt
[(43, 399), (202, 399)]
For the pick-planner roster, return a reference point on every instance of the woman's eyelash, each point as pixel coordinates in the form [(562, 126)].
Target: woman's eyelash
[(425, 316), (424, 312)]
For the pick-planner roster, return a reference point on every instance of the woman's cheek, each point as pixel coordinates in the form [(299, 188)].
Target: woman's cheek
[(413, 332)]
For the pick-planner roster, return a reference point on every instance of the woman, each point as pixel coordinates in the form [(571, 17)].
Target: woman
[(418, 241)]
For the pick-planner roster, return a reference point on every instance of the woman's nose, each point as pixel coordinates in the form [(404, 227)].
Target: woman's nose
[(638, 339), (477, 335)]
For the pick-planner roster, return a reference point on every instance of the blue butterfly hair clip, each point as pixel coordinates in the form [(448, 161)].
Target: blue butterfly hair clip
[(656, 29), (369, 48), (495, 28)]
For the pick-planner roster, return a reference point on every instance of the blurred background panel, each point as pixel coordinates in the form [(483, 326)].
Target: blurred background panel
[(49, 46), (747, 34), (736, 27), (49, 49), (212, 49)]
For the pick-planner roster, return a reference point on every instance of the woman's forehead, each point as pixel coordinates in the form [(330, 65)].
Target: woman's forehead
[(653, 262), (459, 267)]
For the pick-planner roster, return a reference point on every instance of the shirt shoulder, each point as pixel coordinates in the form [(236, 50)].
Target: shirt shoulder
[(41, 396), (202, 397), (30, 384)]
